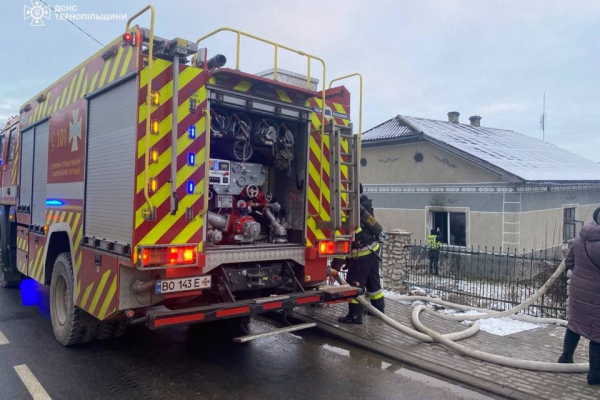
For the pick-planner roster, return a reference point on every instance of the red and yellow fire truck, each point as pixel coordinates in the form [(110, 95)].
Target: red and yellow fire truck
[(152, 184)]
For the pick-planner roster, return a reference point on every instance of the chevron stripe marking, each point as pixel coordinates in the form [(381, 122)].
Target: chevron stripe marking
[(99, 291), (168, 221), (108, 299), (115, 67), (127, 61), (86, 295), (164, 192)]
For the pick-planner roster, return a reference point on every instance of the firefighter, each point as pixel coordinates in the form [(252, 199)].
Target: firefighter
[(433, 242), (363, 264)]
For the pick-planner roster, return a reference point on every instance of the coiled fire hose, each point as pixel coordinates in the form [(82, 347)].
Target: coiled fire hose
[(429, 335)]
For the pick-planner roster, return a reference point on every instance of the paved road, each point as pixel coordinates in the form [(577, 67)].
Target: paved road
[(187, 363)]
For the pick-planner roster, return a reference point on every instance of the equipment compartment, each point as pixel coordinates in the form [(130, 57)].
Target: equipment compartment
[(257, 178)]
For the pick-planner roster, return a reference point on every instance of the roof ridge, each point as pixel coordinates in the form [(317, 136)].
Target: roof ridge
[(381, 124), (460, 123)]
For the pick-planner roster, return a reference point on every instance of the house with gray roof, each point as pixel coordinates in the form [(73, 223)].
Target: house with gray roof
[(482, 187)]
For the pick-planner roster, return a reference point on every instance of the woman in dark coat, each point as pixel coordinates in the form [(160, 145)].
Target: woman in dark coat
[(584, 298)]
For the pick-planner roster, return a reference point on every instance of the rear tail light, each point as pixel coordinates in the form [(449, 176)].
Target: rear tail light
[(330, 248), (144, 257), (156, 257), (182, 255)]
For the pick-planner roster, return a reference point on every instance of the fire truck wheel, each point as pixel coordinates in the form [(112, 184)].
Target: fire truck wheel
[(67, 323), (111, 329)]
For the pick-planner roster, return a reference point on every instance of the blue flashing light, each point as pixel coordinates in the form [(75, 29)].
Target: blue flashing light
[(0, 162), (53, 202), (192, 131), (192, 159), (190, 187)]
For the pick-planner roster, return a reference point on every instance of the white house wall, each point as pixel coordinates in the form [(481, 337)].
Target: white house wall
[(396, 164)]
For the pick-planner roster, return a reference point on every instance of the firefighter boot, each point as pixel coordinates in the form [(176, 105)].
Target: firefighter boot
[(593, 377), (569, 346), (354, 316), (379, 304)]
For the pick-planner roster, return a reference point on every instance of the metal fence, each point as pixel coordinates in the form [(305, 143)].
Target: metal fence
[(490, 279)]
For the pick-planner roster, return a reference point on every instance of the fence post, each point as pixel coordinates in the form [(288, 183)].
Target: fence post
[(396, 259)]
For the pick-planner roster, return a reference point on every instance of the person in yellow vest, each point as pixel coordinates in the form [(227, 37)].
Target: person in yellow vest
[(363, 267), (433, 242)]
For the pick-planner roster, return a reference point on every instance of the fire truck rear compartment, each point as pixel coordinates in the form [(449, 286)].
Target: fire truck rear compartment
[(257, 179)]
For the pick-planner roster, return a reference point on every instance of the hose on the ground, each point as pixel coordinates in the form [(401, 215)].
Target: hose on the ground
[(429, 335)]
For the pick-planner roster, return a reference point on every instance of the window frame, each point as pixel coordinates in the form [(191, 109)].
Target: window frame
[(571, 223), (429, 223)]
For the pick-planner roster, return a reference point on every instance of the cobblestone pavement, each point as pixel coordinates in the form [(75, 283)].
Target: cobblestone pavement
[(542, 344)]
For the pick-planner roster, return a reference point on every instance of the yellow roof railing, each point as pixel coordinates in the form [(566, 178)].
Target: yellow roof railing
[(278, 46)]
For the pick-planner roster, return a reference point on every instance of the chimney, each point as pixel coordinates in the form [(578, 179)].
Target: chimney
[(475, 121), (453, 117)]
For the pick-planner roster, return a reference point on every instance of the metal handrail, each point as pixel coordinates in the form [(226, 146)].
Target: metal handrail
[(360, 103), (277, 46), (206, 161), (148, 99)]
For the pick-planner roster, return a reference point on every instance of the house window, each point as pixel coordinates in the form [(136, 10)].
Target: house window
[(11, 145), (452, 227), (569, 224)]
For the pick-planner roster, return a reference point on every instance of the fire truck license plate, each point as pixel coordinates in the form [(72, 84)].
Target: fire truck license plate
[(183, 284)]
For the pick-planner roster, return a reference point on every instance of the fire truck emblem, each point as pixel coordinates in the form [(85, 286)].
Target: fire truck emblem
[(75, 130), (37, 12)]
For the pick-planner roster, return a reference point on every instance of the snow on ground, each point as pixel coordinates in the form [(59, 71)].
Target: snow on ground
[(390, 294), (506, 326), (497, 326)]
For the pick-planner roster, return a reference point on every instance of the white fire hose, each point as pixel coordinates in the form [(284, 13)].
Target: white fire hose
[(429, 335)]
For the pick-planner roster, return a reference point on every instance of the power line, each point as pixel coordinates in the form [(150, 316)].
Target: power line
[(72, 23)]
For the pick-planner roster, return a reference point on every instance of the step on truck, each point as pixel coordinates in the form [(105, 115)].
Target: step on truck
[(154, 184)]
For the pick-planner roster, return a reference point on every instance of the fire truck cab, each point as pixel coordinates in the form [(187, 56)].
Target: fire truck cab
[(155, 184)]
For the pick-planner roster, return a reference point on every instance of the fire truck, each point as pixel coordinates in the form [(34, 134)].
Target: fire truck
[(153, 184)]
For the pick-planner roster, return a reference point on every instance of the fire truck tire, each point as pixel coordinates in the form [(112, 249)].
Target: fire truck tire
[(68, 320), (111, 329)]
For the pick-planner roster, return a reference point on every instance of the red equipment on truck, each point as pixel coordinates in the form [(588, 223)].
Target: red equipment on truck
[(168, 189)]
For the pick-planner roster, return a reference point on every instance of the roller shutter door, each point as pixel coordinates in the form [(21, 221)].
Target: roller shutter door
[(111, 164), (40, 175), (26, 175)]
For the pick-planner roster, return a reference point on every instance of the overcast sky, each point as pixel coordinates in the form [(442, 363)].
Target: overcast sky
[(419, 58)]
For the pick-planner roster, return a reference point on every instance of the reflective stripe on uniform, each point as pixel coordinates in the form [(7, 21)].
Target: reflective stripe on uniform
[(375, 295), (359, 230), (354, 301), (365, 251)]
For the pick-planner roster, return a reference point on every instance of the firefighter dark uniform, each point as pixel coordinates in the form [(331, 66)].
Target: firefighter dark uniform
[(363, 269)]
